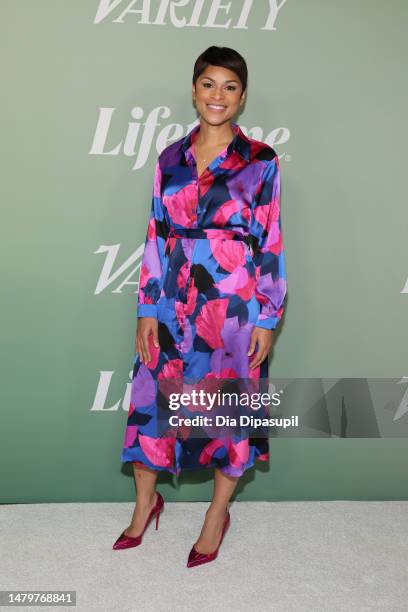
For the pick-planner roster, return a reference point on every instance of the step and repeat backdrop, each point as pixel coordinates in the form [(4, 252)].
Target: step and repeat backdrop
[(92, 92)]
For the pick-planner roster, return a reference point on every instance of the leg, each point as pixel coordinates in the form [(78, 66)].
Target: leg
[(145, 482), (214, 517)]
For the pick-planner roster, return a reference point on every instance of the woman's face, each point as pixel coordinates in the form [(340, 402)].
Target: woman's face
[(217, 94)]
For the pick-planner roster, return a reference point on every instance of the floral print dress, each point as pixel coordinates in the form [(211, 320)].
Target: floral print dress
[(213, 267)]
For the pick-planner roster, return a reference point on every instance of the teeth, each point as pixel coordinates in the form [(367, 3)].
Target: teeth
[(215, 106)]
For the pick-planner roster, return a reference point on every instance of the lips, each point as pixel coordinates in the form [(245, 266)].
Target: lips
[(216, 107)]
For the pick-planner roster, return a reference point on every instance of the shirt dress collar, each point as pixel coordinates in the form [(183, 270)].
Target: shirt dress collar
[(239, 143)]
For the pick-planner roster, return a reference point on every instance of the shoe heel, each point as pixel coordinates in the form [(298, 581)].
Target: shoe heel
[(160, 504)]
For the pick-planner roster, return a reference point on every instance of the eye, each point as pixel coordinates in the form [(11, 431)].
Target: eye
[(207, 84), (231, 87)]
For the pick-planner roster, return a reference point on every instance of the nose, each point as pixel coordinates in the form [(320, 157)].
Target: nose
[(218, 94)]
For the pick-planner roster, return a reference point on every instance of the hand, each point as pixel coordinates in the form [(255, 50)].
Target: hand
[(145, 327), (264, 338)]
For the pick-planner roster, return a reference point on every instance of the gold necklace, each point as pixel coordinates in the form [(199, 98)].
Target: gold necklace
[(204, 159)]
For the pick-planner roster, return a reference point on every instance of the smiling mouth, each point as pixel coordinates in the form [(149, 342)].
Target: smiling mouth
[(216, 107)]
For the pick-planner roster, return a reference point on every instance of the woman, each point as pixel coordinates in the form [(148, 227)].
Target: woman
[(206, 298)]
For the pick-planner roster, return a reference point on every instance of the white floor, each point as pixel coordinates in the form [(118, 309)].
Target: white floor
[(283, 556)]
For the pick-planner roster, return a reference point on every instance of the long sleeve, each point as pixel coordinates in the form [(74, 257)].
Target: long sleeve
[(152, 268), (268, 249)]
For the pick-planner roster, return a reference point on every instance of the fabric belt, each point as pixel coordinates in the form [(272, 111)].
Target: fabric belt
[(207, 233)]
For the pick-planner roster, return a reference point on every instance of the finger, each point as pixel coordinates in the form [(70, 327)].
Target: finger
[(147, 347), (143, 348), (140, 345), (260, 356), (254, 363), (264, 346), (156, 336), (252, 345)]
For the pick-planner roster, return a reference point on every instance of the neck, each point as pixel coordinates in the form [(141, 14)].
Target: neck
[(214, 135)]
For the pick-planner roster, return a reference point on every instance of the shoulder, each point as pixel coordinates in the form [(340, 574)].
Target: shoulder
[(170, 155), (266, 160), (261, 151)]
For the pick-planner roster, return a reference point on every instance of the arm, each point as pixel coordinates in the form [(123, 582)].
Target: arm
[(152, 266), (269, 254)]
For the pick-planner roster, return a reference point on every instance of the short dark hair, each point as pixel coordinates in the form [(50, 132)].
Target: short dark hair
[(225, 57)]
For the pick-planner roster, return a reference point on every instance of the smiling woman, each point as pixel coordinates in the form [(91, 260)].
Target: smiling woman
[(211, 291), (216, 92)]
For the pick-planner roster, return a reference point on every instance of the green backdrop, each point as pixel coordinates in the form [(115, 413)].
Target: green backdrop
[(92, 92)]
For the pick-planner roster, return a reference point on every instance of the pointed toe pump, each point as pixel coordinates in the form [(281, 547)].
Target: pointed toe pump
[(125, 541), (197, 558)]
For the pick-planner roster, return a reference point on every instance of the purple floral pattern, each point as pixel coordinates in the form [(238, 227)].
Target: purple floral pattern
[(213, 267)]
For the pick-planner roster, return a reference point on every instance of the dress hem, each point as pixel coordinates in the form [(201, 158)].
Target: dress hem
[(226, 469)]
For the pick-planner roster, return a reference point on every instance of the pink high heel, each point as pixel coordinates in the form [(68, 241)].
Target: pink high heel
[(125, 541), (197, 558)]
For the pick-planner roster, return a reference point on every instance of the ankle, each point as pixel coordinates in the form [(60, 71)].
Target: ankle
[(217, 510), (146, 501)]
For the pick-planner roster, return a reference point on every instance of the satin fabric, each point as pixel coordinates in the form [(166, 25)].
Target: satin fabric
[(213, 267)]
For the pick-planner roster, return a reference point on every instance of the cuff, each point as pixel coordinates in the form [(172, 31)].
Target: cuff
[(147, 310), (267, 322)]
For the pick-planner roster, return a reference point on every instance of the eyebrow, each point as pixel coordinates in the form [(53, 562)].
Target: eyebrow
[(228, 81)]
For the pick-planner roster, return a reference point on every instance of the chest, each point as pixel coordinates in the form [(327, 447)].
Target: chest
[(205, 156), (225, 186)]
